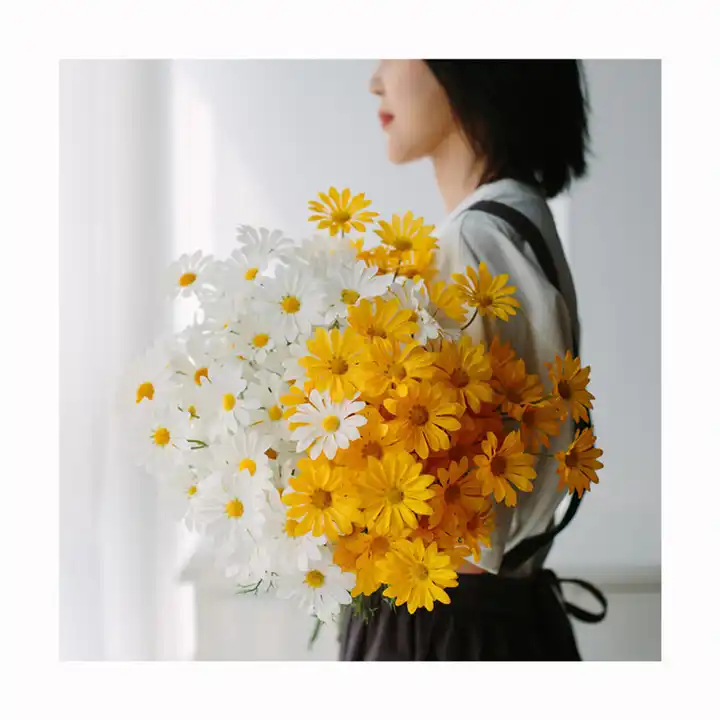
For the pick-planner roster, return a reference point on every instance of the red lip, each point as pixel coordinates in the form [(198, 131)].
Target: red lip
[(385, 118)]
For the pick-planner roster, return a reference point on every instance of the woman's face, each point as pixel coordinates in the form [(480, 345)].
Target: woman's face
[(414, 109)]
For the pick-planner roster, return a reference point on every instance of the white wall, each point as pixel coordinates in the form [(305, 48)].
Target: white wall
[(614, 227)]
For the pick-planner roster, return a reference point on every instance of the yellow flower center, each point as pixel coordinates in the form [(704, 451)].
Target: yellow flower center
[(260, 340), (272, 454), (402, 243), (452, 494), (485, 301), (192, 490), (339, 366), (341, 216), (251, 273), (514, 395), (228, 402), (331, 423), (421, 572), (201, 373), (144, 390), (247, 464), (373, 331), (372, 449), (275, 413), (397, 371), (321, 499), (161, 437), (187, 279), (498, 465), (564, 390), (418, 415), (459, 378), (291, 527), (414, 317), (290, 304), (349, 297), (395, 496), (315, 579), (380, 545), (234, 509), (572, 460)]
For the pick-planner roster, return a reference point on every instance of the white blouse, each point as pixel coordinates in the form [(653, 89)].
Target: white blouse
[(540, 332)]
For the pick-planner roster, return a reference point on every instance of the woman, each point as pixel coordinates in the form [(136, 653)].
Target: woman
[(503, 137)]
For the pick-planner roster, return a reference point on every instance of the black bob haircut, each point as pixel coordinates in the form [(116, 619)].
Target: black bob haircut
[(527, 118)]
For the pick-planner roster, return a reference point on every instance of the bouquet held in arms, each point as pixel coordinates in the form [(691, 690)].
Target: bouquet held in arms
[(327, 424)]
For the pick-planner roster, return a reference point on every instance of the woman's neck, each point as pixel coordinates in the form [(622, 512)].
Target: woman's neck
[(457, 170)]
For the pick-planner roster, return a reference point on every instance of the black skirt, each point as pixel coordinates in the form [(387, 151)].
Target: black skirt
[(490, 617)]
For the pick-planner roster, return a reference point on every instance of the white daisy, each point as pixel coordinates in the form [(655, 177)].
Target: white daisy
[(289, 553), (292, 302), (412, 296), (321, 590), (229, 509), (219, 403), (350, 283), (245, 451), (159, 440), (187, 275), (178, 487), (294, 372), (255, 338), (221, 312), (150, 380), (249, 564), (266, 391), (326, 426), (261, 246)]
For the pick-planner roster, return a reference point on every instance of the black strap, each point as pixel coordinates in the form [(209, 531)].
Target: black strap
[(524, 550), (577, 612)]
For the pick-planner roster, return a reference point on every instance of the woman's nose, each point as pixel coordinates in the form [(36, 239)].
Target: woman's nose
[(375, 85)]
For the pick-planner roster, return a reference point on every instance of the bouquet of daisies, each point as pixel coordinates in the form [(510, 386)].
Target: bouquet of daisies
[(327, 424)]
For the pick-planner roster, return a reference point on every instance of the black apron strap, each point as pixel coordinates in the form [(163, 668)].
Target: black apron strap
[(522, 552)]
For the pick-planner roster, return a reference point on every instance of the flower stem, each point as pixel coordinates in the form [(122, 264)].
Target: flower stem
[(469, 322)]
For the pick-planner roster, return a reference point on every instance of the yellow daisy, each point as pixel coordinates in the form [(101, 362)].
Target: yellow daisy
[(418, 265), (500, 353), (538, 423), (382, 319), (417, 575), (388, 365), (499, 468), (515, 389), (445, 302), (458, 495), (464, 370), (487, 294), (334, 362), (374, 441), (570, 385), (407, 234), (478, 531), (386, 262), (577, 467), (345, 553), (370, 548), (423, 418), (341, 212), (293, 398), (321, 502), (393, 491)]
